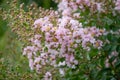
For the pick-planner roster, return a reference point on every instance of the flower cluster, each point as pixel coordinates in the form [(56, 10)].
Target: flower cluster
[(69, 6), (56, 39)]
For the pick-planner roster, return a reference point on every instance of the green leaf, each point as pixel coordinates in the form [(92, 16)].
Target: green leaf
[(117, 64), (88, 56), (112, 59)]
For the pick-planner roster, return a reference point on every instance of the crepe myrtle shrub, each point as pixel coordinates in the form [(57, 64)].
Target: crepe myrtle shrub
[(78, 41)]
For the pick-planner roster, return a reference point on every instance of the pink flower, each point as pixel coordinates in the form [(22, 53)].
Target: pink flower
[(38, 67), (70, 60), (78, 1), (62, 5), (107, 63), (38, 23), (73, 6), (48, 76), (31, 64), (99, 7), (117, 5), (67, 12)]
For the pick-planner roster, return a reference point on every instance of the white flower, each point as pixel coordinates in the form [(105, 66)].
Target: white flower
[(62, 72), (62, 63)]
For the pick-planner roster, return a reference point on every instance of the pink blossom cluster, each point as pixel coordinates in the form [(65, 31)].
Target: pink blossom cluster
[(58, 37), (60, 41), (69, 6)]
